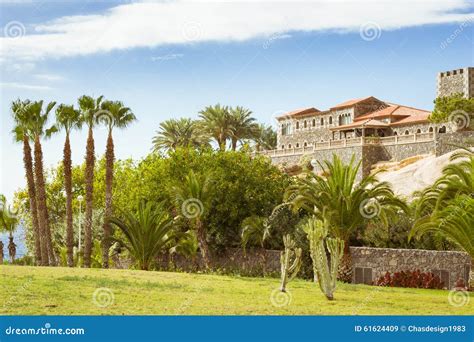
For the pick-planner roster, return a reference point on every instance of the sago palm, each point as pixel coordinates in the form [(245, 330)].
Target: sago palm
[(68, 118), (216, 122), (336, 197), (114, 115), (21, 119), (38, 128), (89, 108), (192, 199), (145, 233), (243, 125)]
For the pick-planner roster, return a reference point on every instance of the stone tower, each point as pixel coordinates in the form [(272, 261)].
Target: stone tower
[(456, 81)]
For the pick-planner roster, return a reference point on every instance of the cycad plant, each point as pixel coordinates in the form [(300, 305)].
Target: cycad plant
[(68, 118), (144, 234), (336, 197), (115, 115)]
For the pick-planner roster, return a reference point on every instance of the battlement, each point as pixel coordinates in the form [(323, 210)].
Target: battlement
[(456, 81)]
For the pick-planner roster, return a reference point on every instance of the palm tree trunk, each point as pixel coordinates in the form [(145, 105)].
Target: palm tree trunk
[(345, 267), (90, 161), (234, 144), (1, 253), (201, 235), (41, 205), (109, 178), (11, 248), (30, 180), (68, 187)]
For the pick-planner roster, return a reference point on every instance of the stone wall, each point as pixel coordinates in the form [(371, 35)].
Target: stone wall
[(450, 142), (456, 81), (369, 264)]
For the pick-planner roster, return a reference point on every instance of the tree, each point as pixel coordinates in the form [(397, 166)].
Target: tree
[(8, 223), (217, 123), (242, 125), (89, 108), (192, 198), (22, 118), (68, 118), (455, 108), (265, 138), (116, 115), (179, 133), (346, 205), (38, 130), (145, 233)]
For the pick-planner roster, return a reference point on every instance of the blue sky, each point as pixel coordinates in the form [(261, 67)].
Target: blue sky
[(135, 53)]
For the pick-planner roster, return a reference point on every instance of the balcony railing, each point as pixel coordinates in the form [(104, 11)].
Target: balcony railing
[(360, 141)]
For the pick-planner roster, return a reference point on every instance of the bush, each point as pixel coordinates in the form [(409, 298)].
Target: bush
[(414, 279)]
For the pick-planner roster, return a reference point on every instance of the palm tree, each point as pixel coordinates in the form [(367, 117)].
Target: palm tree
[(243, 125), (8, 223), (255, 231), (89, 108), (347, 205), (192, 198), (175, 133), (265, 138), (447, 207), (22, 118), (115, 116), (68, 118), (38, 129), (145, 234), (216, 122)]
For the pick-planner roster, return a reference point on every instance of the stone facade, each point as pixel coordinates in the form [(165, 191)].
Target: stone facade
[(369, 264), (456, 81)]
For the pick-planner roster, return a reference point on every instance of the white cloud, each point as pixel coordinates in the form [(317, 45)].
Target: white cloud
[(48, 77), (15, 85), (167, 57), (148, 24)]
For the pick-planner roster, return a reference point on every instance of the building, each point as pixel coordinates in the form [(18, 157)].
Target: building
[(456, 81)]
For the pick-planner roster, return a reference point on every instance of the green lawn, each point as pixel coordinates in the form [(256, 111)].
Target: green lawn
[(64, 291)]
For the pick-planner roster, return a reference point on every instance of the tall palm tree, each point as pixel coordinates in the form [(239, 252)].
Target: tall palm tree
[(265, 138), (145, 233), (243, 125), (176, 133), (68, 118), (116, 115), (192, 199), (21, 118), (38, 130), (216, 122), (89, 108), (347, 205)]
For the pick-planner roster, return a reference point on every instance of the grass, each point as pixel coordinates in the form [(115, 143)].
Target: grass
[(64, 291)]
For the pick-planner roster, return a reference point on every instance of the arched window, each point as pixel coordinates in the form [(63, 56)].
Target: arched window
[(297, 125), (322, 122), (330, 120), (305, 144), (407, 132), (297, 145), (395, 133), (314, 122), (418, 131), (442, 129), (289, 145), (305, 124), (282, 147), (430, 130)]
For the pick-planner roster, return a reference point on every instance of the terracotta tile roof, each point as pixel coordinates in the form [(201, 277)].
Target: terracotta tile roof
[(369, 123), (400, 115), (352, 102), (300, 112)]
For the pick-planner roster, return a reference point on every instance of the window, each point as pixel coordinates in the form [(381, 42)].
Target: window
[(430, 130), (454, 72), (282, 147), (297, 125), (305, 124), (407, 132), (322, 122), (305, 144), (461, 71), (418, 131), (314, 122), (395, 133), (330, 120), (297, 145), (442, 129)]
